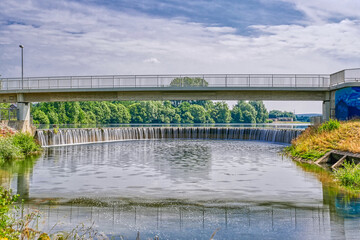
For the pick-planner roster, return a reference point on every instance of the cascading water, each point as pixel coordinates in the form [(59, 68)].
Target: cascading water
[(82, 135)]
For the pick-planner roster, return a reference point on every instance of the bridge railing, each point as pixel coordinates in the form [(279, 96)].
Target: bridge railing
[(166, 81)]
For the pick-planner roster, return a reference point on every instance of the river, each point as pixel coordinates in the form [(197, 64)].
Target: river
[(182, 189)]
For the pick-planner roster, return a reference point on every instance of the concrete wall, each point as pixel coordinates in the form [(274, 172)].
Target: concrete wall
[(20, 125)]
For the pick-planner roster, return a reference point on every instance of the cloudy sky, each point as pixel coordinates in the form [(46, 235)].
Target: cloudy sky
[(88, 37)]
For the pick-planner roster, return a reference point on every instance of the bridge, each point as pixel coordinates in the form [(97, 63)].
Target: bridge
[(294, 87)]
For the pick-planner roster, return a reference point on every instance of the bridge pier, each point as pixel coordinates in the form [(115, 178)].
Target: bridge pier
[(23, 123), (328, 107), (23, 111), (326, 110)]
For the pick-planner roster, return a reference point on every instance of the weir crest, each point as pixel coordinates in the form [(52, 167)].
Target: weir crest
[(92, 135)]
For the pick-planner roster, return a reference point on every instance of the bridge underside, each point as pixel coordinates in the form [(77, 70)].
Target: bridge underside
[(56, 96)]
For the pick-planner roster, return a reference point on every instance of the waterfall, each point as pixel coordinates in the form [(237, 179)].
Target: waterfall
[(91, 135)]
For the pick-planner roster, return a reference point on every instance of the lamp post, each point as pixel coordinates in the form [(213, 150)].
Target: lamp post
[(22, 66)]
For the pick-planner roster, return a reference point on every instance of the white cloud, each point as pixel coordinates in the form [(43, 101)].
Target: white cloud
[(74, 39), (152, 60), (322, 10)]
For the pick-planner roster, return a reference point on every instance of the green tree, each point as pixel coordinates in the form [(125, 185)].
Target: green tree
[(187, 118), (199, 113), (40, 117), (221, 113), (243, 112), (261, 113), (189, 82)]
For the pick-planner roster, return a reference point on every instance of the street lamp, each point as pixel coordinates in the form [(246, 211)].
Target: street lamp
[(22, 66)]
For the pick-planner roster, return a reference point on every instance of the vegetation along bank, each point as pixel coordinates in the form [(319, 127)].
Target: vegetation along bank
[(316, 141), (15, 145)]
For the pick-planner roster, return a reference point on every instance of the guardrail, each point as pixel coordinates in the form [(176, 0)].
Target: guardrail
[(166, 81), (8, 114)]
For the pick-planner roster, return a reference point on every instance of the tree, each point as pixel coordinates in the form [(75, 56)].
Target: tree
[(279, 114), (221, 113), (261, 113), (137, 112), (189, 82), (243, 112), (40, 117), (199, 113)]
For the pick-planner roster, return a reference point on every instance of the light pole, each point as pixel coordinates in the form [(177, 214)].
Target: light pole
[(22, 66)]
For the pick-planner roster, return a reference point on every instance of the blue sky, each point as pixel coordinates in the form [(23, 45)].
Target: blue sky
[(86, 37)]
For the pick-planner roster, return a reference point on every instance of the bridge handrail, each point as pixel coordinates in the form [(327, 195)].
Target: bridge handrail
[(164, 81)]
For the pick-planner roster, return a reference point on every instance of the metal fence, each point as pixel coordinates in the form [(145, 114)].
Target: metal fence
[(8, 114), (168, 81)]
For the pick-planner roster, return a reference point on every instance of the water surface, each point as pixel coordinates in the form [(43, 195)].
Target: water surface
[(183, 189)]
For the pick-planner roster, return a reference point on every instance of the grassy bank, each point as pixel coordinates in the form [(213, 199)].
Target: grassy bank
[(17, 146), (332, 135), (315, 141)]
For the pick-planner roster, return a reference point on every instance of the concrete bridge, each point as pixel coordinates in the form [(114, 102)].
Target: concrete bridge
[(283, 87)]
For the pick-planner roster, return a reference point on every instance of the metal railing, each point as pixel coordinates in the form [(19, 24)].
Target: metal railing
[(167, 81), (8, 114)]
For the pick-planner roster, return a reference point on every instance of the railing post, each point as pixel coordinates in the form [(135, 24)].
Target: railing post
[(249, 81), (226, 80), (272, 80), (135, 80), (71, 82), (295, 81), (113, 81), (91, 81), (157, 81)]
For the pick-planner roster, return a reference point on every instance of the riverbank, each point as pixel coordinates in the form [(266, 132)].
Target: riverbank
[(316, 141), (15, 145)]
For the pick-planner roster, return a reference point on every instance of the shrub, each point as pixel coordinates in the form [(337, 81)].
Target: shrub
[(8, 150), (349, 175), (26, 143), (6, 199), (329, 126)]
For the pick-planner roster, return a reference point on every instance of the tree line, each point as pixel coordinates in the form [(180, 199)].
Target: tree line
[(148, 112)]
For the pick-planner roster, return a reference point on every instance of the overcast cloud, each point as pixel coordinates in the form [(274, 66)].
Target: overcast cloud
[(77, 38)]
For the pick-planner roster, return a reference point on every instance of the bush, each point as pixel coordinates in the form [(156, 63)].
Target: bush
[(329, 126), (17, 146), (349, 175), (8, 150), (26, 143), (6, 199)]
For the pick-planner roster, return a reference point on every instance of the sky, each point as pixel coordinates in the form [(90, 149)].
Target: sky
[(98, 37)]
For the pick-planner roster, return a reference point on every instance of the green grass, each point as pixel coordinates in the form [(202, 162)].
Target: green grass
[(349, 176), (329, 126)]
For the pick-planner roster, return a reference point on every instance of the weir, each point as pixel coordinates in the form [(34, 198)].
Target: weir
[(69, 136)]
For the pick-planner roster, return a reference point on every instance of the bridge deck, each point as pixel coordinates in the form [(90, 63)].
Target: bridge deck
[(166, 81), (172, 87)]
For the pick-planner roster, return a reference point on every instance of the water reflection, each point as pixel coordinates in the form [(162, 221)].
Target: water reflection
[(183, 190)]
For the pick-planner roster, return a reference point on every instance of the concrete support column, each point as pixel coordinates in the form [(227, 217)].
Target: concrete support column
[(23, 108), (332, 105), (23, 111), (326, 110)]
